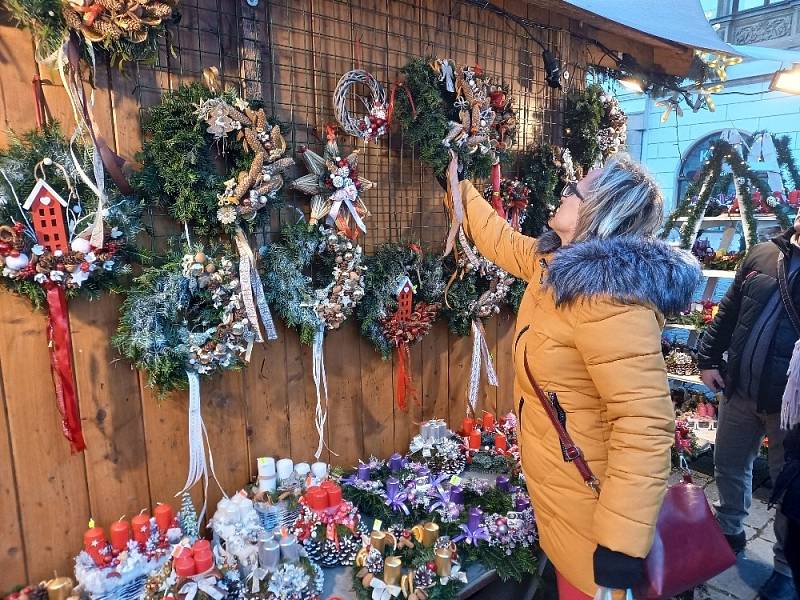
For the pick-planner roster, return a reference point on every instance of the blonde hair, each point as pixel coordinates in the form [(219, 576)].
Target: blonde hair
[(623, 200)]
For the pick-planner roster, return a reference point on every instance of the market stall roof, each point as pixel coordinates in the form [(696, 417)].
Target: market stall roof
[(680, 22)]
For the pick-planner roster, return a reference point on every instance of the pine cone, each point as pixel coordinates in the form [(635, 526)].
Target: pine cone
[(424, 577), (72, 18)]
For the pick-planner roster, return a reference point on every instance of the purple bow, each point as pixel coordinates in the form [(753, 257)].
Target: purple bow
[(471, 536), (397, 501), (441, 497)]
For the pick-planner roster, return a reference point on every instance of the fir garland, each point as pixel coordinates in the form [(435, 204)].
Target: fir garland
[(81, 272), (787, 163), (127, 30), (385, 270), (187, 163), (428, 124), (327, 296), (541, 174)]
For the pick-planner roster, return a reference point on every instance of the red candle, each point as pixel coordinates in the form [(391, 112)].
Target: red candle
[(180, 551), (141, 528), (94, 540), (488, 421), (334, 495), (467, 425), (120, 532), (317, 498), (475, 439), (164, 515), (184, 566), (201, 545), (203, 560), (500, 441)]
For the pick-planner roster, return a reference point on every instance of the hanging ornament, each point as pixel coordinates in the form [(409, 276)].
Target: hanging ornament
[(670, 105), (335, 187), (375, 123)]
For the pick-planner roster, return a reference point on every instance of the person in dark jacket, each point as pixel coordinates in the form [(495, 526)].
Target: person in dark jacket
[(787, 492), (755, 330)]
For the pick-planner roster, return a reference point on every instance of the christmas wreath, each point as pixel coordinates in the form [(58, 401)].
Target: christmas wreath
[(595, 126), (214, 161), (335, 187), (185, 319), (317, 301), (50, 232), (62, 234), (126, 29), (402, 296)]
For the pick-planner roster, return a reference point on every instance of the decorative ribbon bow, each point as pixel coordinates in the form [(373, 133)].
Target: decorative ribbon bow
[(383, 591), (207, 585), (456, 574), (347, 196), (472, 536), (258, 575), (397, 501)]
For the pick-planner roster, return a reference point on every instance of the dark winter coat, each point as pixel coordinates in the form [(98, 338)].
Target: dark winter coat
[(787, 487), (755, 283)]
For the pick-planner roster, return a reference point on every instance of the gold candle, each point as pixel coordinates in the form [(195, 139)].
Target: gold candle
[(59, 588), (391, 570), (430, 533), (377, 539), (444, 562)]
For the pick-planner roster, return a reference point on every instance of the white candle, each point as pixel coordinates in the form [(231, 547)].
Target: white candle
[(245, 509), (285, 468), (319, 470), (302, 469), (266, 466), (230, 513)]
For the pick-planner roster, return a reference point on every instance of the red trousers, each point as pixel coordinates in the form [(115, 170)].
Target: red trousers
[(567, 591)]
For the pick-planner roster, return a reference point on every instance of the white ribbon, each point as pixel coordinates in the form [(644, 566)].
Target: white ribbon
[(206, 585), (383, 591), (346, 196), (458, 207), (479, 351), (447, 75), (258, 575), (198, 441), (320, 379), (253, 290), (456, 574)]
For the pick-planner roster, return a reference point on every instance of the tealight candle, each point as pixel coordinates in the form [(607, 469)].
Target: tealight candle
[(141, 528), (120, 532), (164, 515), (285, 468)]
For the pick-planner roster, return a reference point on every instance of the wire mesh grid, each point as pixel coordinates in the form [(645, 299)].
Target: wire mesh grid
[(291, 53)]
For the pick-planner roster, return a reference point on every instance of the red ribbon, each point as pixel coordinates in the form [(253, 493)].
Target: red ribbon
[(405, 388), (60, 343)]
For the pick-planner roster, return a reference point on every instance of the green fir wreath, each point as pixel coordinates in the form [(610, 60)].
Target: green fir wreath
[(196, 154), (185, 315), (313, 278), (434, 124), (594, 126), (386, 271), (127, 30), (28, 261)]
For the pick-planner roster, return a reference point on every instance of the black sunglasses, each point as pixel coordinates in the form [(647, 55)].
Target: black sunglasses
[(571, 189)]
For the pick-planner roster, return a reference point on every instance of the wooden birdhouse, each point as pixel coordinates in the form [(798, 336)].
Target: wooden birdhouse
[(405, 298), (47, 216)]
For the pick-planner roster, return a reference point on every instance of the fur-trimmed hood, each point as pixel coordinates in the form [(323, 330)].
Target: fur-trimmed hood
[(630, 269)]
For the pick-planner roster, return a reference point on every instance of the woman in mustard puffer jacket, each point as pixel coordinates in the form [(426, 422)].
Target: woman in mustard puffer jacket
[(590, 325)]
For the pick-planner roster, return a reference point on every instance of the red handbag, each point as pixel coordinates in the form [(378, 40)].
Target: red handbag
[(689, 547)]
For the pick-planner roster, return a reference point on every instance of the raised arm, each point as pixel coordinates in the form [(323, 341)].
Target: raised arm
[(495, 238)]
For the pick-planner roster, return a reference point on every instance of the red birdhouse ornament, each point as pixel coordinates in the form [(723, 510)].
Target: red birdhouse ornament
[(47, 216), (405, 299)]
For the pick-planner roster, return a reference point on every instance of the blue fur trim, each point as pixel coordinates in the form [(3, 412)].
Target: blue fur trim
[(629, 269)]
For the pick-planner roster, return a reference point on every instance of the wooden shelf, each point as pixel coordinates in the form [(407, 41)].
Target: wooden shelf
[(726, 219), (719, 273), (693, 379), (680, 326)]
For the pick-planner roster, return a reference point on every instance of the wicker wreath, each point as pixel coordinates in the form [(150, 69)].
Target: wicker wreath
[(372, 125)]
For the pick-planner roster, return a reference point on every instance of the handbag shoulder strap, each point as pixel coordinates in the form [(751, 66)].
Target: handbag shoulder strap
[(572, 453), (783, 286)]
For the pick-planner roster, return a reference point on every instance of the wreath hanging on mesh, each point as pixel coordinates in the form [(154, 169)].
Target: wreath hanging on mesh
[(375, 123), (314, 279), (183, 320), (403, 296)]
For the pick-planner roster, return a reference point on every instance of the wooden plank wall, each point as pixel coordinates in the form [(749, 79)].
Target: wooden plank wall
[(293, 51)]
